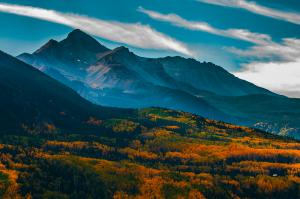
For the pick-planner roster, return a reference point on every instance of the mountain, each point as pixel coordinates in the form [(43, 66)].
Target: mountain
[(68, 58), (208, 76), (120, 78), (29, 97), (80, 51), (116, 77)]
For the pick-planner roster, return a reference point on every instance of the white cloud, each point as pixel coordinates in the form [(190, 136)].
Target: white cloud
[(253, 7), (138, 35), (281, 77), (176, 20), (287, 51), (275, 66)]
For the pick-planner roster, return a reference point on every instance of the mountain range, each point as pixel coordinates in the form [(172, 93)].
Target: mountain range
[(119, 78)]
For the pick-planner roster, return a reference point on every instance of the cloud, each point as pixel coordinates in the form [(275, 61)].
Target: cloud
[(286, 51), (138, 35), (283, 78), (176, 20), (253, 7), (276, 66)]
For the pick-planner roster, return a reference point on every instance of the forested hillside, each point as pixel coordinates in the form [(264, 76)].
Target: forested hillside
[(158, 154)]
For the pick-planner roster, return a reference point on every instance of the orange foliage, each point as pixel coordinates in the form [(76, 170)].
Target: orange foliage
[(151, 188), (195, 194), (269, 184), (183, 157), (132, 154)]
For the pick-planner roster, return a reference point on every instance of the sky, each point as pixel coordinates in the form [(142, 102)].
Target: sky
[(257, 40)]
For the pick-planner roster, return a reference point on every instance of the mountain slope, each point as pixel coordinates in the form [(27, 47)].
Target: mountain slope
[(210, 77), (31, 97)]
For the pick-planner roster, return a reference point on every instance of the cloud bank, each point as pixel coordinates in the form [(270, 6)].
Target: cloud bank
[(138, 35), (283, 78), (257, 9), (276, 66), (176, 20)]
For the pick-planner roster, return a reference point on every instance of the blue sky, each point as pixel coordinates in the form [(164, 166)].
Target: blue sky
[(257, 41)]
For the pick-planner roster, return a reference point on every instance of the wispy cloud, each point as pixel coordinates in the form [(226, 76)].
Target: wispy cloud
[(176, 20), (253, 7), (286, 51), (134, 34)]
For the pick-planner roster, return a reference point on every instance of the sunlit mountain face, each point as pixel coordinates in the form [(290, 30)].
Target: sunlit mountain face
[(139, 99)]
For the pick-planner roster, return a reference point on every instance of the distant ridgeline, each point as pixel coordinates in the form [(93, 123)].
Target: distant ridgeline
[(119, 78)]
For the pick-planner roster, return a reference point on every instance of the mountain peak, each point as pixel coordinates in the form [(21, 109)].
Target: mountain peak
[(49, 45), (120, 53), (78, 39), (77, 33), (121, 49), (79, 36)]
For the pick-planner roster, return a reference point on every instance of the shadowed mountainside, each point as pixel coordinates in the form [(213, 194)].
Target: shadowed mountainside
[(30, 97)]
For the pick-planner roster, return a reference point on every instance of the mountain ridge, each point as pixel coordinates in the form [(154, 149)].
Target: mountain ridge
[(77, 36)]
